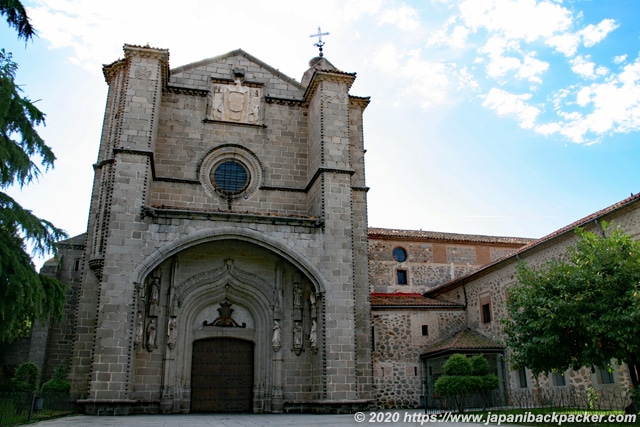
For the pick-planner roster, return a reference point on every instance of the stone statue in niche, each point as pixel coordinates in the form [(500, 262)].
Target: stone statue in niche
[(154, 297), (313, 335), (172, 333), (297, 303), (276, 340), (173, 303), (277, 301), (297, 297), (151, 335), (312, 301), (139, 329), (154, 291), (297, 338), (142, 291)]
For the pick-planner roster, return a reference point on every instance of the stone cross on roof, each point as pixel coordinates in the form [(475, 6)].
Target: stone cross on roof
[(320, 42)]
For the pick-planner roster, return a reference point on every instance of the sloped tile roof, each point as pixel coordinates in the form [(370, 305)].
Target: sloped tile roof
[(594, 217), (238, 52), (388, 233), (77, 241), (401, 299), (464, 340)]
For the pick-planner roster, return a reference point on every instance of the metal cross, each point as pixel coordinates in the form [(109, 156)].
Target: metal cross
[(320, 42)]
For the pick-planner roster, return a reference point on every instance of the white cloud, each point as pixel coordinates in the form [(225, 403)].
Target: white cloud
[(548, 129), (583, 67), (528, 68), (466, 79), (620, 59), (532, 68), (531, 20), (594, 34), (456, 39), (427, 82), (516, 19), (565, 43), (387, 58), (506, 32), (583, 97), (356, 8), (509, 104), (615, 108), (499, 66), (451, 34), (94, 32), (405, 18)]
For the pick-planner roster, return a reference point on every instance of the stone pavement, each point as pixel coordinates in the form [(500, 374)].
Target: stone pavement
[(403, 418)]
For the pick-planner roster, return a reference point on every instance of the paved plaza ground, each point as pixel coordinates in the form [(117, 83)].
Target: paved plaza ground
[(403, 418)]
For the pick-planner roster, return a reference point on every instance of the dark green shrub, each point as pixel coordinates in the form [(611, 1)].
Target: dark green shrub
[(56, 386), (449, 385), (464, 376), (58, 383), (479, 365), (25, 378), (457, 365), (488, 382)]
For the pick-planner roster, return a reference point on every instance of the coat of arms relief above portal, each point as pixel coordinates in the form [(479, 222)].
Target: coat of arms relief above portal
[(236, 101)]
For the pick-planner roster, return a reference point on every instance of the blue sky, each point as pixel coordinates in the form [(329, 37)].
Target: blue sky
[(495, 117)]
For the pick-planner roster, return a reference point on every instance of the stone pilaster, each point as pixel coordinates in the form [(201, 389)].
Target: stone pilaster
[(133, 139), (343, 260)]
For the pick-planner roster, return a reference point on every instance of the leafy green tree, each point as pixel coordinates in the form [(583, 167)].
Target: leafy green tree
[(579, 311), (464, 376), (24, 294)]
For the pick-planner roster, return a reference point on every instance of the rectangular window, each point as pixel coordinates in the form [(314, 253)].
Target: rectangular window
[(558, 380), (373, 338), (402, 277), (425, 330), (522, 377), (486, 313), (604, 376), (485, 308)]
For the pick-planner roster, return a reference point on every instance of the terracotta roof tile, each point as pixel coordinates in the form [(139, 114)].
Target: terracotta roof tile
[(387, 233), (401, 299), (466, 339), (629, 201)]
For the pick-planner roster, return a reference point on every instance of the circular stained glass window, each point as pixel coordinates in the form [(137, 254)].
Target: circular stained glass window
[(230, 177), (399, 254)]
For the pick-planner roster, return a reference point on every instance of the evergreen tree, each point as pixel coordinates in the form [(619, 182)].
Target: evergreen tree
[(25, 295)]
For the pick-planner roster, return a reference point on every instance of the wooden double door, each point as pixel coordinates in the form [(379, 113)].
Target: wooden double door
[(222, 375)]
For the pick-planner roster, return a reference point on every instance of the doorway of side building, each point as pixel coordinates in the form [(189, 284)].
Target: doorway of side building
[(222, 375)]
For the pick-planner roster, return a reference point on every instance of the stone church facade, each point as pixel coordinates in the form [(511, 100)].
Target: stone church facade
[(227, 240), (228, 264)]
